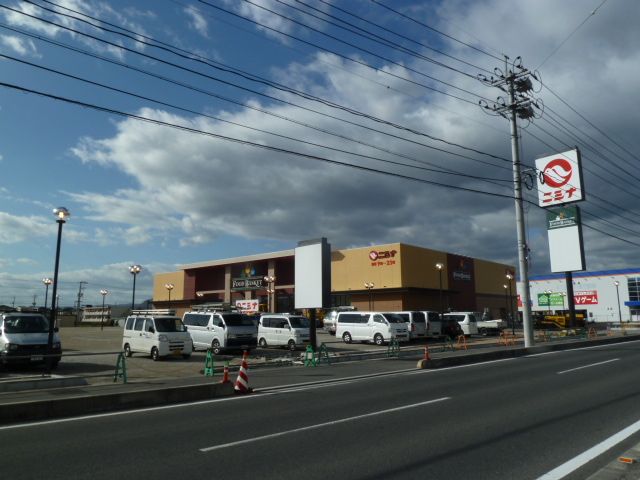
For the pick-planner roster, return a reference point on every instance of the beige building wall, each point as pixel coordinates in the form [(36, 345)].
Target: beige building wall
[(491, 277), (351, 269), (160, 280), (419, 267)]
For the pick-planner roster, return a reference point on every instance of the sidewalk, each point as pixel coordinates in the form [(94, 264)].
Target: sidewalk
[(74, 395)]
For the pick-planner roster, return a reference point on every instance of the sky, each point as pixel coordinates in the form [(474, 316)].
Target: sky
[(182, 131)]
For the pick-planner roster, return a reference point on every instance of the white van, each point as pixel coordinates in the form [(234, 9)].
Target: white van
[(329, 322), (371, 326), (467, 321), (24, 338), (220, 330), (416, 324), (291, 331), (434, 326), (158, 333)]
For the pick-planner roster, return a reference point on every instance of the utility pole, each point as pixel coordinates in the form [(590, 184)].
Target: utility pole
[(516, 83)]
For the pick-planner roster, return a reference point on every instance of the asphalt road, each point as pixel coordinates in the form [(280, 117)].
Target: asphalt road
[(514, 419)]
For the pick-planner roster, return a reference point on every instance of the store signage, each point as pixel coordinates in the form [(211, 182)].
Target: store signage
[(248, 283), (560, 178), (373, 255), (564, 229), (586, 298), (464, 276), (248, 306)]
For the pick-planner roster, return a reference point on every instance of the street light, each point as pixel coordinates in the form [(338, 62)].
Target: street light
[(104, 294), (440, 266), (271, 290), (548, 294), (369, 286), (61, 214), (169, 287), (618, 295), (135, 270), (47, 282), (513, 315), (564, 295)]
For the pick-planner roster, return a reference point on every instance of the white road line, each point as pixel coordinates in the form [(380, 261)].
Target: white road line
[(585, 457), (320, 425), (587, 366)]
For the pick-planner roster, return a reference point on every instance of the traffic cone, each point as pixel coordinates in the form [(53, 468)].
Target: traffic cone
[(242, 384)]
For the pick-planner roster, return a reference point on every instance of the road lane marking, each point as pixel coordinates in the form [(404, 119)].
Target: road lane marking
[(585, 457), (587, 366), (320, 425)]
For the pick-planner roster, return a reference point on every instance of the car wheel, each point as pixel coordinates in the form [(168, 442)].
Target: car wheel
[(378, 339), (215, 347), (127, 350), (484, 331), (155, 354), (262, 343), (346, 337), (291, 345)]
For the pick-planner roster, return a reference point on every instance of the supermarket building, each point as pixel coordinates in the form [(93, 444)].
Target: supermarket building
[(398, 277)]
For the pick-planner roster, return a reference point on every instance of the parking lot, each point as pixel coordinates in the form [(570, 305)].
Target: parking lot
[(94, 353)]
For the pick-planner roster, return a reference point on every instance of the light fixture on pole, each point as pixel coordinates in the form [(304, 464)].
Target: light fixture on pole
[(440, 266), (506, 301), (617, 284), (47, 282), (61, 214), (510, 313), (104, 294), (271, 290), (548, 294), (564, 295), (369, 286), (169, 288), (135, 270)]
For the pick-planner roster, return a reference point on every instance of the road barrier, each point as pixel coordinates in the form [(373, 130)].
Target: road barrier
[(323, 354), (310, 357), (394, 349), (426, 352), (462, 342), (543, 336), (121, 363), (242, 383), (208, 364), (507, 338), (225, 375)]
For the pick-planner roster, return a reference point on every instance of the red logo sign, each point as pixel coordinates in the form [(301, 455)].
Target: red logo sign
[(373, 255), (557, 173)]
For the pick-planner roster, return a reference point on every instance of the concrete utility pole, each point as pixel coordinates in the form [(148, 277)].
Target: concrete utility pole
[(80, 295), (518, 105)]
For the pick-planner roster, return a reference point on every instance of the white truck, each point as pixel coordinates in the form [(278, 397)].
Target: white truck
[(472, 323)]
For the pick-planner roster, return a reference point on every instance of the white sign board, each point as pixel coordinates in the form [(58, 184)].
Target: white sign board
[(313, 274), (248, 306), (565, 240), (560, 179)]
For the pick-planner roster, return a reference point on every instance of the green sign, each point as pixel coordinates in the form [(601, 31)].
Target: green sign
[(563, 217), (551, 300)]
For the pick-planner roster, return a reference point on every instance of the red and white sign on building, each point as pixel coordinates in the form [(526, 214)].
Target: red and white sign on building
[(560, 178), (586, 298), (248, 306)]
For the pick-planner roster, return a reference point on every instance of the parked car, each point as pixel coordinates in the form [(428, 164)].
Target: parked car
[(450, 327), (467, 321), (331, 316), (374, 327), (24, 339), (158, 333), (283, 330), (221, 330)]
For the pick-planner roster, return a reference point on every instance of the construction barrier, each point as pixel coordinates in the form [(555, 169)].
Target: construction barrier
[(225, 375), (444, 345), (543, 336), (507, 338), (310, 357), (323, 354), (609, 331), (462, 342), (426, 352), (121, 363), (593, 333), (394, 349), (242, 383), (208, 363)]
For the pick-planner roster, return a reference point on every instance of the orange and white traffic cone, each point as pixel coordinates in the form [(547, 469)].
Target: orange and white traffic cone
[(225, 376), (242, 384)]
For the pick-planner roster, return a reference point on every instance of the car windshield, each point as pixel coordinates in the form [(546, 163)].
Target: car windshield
[(393, 318), (26, 324), (238, 320), (299, 322), (169, 324)]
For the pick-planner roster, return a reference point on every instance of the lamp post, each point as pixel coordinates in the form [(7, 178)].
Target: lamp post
[(169, 288), (440, 266), (61, 214), (135, 270), (564, 295), (369, 286), (618, 295), (271, 290), (513, 315), (548, 294), (104, 294), (47, 282), (506, 301)]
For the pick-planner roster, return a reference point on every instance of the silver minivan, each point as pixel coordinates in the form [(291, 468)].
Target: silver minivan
[(374, 327), (158, 333), (291, 331), (416, 324), (221, 330), (24, 338)]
